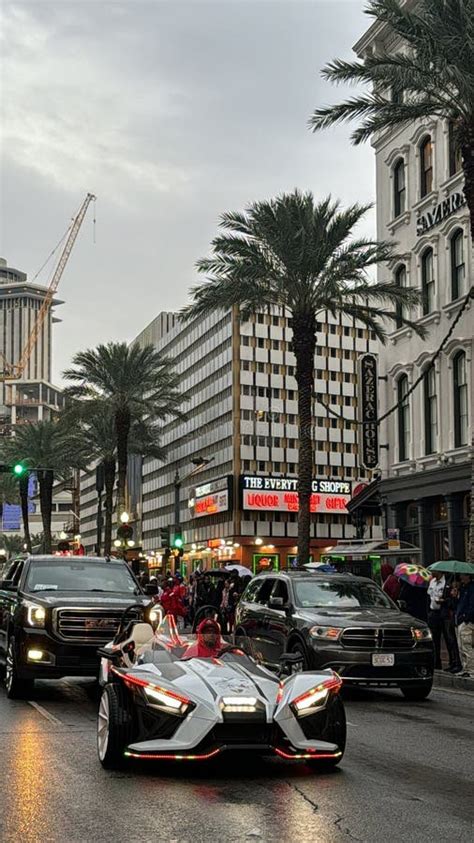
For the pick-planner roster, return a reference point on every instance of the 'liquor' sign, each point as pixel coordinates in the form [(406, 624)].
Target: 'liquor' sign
[(369, 438)]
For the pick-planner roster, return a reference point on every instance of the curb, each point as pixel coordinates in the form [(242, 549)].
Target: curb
[(458, 683)]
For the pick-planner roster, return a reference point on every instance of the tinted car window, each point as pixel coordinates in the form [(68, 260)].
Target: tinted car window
[(250, 593), (265, 591), (281, 590), (79, 576), (18, 570), (313, 594)]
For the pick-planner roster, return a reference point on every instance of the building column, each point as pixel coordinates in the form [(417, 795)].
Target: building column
[(425, 534)]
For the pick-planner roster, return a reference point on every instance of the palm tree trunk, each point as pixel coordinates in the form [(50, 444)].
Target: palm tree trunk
[(23, 489), (304, 344), (109, 483), (46, 479), (467, 153), (122, 427)]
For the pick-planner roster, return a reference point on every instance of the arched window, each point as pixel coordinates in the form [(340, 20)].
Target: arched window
[(458, 270), (399, 187), (426, 166), (431, 411), (400, 281), (427, 281), (403, 419), (460, 400), (455, 161)]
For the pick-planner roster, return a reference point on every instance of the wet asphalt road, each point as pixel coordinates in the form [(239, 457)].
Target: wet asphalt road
[(407, 776)]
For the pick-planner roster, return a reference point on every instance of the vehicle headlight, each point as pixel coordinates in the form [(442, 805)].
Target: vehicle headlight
[(315, 698), (329, 633), (35, 615), (421, 633), (155, 615), (168, 701), (239, 704)]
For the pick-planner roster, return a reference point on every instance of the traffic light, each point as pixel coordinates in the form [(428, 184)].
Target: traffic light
[(178, 540), (165, 536), (19, 469), (125, 532)]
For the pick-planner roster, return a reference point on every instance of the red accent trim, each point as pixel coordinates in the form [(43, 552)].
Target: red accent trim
[(333, 684), (142, 683), (169, 757), (306, 755)]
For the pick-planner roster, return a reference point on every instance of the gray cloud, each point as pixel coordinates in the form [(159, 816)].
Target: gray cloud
[(170, 112)]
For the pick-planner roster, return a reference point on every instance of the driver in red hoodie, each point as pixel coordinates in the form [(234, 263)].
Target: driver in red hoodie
[(209, 642)]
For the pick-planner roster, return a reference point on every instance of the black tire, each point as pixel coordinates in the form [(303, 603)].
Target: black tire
[(337, 734), (417, 693), (16, 688), (299, 647), (115, 715)]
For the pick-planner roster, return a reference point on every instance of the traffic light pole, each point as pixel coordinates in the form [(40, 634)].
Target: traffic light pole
[(177, 513)]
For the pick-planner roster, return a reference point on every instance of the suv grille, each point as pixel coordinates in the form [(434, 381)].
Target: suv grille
[(91, 625), (377, 638)]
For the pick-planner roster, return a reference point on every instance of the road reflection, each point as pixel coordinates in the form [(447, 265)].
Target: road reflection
[(26, 774)]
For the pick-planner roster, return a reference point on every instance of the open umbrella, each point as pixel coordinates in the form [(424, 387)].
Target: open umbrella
[(241, 570), (320, 567), (453, 566), (413, 574)]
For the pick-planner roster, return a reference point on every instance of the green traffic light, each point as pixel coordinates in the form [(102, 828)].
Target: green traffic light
[(19, 469), (178, 542)]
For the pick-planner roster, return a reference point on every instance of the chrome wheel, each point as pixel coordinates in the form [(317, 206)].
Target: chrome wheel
[(9, 667), (103, 726)]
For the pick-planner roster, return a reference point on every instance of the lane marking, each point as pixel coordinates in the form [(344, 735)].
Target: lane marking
[(44, 713), (351, 724)]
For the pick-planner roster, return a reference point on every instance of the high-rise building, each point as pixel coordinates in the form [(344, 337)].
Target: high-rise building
[(232, 464), (30, 396), (426, 463)]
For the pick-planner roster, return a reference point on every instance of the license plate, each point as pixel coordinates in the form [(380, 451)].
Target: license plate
[(383, 659)]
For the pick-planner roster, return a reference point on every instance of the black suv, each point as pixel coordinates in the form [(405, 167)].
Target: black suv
[(337, 621), (54, 614)]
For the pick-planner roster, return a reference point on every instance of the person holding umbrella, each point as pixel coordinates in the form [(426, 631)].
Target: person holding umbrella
[(436, 590), (465, 624), (414, 583)]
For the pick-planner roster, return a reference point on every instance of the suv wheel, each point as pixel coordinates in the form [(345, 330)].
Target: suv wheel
[(16, 688), (417, 693), (114, 726), (300, 649)]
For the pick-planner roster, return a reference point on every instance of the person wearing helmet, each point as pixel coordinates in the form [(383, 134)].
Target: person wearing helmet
[(209, 642)]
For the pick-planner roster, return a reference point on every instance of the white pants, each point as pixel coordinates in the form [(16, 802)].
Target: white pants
[(465, 635)]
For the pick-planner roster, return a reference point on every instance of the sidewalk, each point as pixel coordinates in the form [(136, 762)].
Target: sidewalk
[(447, 680)]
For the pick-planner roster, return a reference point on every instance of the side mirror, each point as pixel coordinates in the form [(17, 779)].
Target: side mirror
[(402, 605), (7, 585), (276, 603), (290, 663), (151, 588)]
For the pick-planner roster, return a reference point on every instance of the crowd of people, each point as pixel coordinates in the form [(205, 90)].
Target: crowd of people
[(447, 605), (184, 598)]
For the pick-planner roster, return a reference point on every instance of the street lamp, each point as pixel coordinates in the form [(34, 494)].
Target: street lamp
[(63, 535), (125, 518), (117, 543)]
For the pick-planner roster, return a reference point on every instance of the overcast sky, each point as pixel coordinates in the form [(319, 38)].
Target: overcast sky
[(170, 111)]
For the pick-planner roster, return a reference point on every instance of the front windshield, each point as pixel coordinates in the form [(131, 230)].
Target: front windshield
[(69, 575), (319, 594)]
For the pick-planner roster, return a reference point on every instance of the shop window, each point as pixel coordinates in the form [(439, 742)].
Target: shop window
[(460, 400), (403, 419), (458, 269), (399, 187), (427, 281), (440, 510), (431, 411), (426, 166), (412, 515)]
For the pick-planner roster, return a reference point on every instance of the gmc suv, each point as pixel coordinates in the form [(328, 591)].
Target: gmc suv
[(341, 622), (54, 614)]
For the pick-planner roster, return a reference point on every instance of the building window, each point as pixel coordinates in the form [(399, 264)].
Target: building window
[(457, 264), (403, 419), (426, 166), (427, 281), (460, 400), (399, 187), (455, 159), (431, 412), (400, 281)]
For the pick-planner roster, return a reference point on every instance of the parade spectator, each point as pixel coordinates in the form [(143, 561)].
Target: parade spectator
[(415, 599), (206, 593), (448, 609), (465, 625), (391, 583), (436, 590)]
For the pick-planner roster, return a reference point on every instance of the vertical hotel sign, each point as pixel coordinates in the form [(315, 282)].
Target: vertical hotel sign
[(368, 411)]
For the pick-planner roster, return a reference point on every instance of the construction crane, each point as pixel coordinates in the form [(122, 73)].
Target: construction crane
[(14, 371)]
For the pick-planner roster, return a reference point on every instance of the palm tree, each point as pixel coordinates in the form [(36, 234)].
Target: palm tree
[(295, 255), (431, 73), (138, 384), (48, 448), (97, 432)]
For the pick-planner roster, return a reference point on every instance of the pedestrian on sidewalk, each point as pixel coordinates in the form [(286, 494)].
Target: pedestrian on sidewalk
[(465, 624), (448, 610), (435, 620)]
